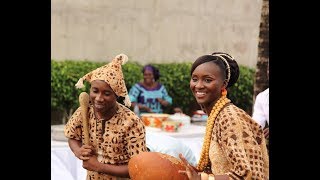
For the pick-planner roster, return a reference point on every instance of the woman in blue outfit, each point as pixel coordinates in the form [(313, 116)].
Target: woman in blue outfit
[(150, 95)]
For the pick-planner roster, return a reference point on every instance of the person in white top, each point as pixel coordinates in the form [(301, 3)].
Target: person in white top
[(261, 110)]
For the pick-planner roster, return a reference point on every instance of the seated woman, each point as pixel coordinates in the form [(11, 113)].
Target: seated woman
[(150, 95)]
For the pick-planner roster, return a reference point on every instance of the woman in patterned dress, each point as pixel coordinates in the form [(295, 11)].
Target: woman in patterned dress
[(150, 95), (234, 146), (115, 132)]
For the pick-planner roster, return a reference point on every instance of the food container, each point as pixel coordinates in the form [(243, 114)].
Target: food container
[(171, 126), (153, 119), (182, 118)]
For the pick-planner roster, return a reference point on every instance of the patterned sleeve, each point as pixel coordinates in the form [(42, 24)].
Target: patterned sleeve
[(134, 93), (166, 95), (136, 137), (73, 127), (233, 139)]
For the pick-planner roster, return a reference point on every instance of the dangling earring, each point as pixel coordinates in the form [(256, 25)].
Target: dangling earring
[(224, 92)]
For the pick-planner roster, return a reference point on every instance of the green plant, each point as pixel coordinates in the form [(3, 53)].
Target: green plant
[(241, 93), (64, 76), (132, 73), (176, 77)]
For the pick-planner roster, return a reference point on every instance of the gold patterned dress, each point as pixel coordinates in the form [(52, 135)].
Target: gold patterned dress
[(124, 136), (238, 147)]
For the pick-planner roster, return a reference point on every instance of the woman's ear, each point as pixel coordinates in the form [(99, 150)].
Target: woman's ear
[(224, 88), (225, 85)]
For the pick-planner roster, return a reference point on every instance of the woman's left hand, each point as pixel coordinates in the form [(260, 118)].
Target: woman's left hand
[(190, 171)]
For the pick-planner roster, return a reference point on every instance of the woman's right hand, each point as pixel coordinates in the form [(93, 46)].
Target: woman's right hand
[(84, 152), (146, 108), (149, 110)]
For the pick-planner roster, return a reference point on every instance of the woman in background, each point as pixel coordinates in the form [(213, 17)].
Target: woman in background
[(149, 95)]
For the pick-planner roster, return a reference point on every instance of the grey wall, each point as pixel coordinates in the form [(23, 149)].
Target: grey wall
[(154, 31)]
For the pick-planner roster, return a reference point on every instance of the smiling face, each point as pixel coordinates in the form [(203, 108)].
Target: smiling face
[(148, 76), (206, 84), (102, 96)]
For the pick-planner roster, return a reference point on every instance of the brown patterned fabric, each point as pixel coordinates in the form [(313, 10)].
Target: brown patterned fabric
[(238, 147), (112, 74), (124, 136)]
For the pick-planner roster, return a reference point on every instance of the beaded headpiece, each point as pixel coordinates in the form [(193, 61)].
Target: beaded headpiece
[(112, 74), (227, 64)]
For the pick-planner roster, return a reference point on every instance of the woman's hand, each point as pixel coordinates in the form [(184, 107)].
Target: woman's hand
[(92, 164), (163, 102), (190, 171), (149, 109), (84, 152), (146, 108)]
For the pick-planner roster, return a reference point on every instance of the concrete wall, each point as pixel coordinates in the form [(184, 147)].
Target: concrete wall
[(154, 31)]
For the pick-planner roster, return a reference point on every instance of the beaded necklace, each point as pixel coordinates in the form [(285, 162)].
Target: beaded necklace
[(204, 158)]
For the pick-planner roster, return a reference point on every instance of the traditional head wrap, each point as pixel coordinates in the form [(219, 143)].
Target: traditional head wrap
[(112, 74), (155, 71)]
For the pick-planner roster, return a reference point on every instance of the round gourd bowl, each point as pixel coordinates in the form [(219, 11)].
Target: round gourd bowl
[(155, 166), (153, 119)]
